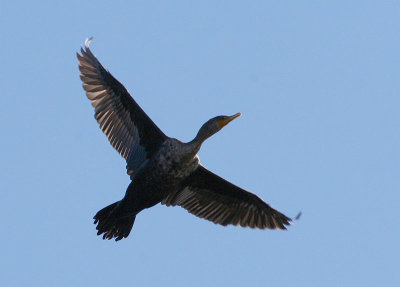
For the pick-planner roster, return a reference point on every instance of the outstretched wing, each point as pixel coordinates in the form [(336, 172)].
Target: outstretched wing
[(211, 197), (130, 131)]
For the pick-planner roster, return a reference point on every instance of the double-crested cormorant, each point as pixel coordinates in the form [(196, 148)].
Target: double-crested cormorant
[(163, 169)]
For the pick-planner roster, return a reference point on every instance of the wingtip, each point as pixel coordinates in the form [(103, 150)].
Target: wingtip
[(88, 41)]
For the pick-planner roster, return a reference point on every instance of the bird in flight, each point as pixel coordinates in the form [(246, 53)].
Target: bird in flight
[(163, 169)]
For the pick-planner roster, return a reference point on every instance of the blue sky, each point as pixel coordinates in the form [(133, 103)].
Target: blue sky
[(317, 84)]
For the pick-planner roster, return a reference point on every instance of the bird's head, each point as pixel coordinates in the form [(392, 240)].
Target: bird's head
[(214, 125)]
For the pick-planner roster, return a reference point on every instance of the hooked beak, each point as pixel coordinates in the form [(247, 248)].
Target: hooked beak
[(227, 120)]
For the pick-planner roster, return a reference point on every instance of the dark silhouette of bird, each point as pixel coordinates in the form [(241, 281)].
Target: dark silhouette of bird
[(163, 169)]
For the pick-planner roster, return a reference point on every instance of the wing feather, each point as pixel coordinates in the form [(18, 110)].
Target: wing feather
[(209, 196), (130, 131)]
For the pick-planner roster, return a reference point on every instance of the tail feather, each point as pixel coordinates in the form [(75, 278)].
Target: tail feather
[(112, 221)]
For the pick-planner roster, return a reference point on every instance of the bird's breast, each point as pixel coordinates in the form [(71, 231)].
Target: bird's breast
[(176, 160)]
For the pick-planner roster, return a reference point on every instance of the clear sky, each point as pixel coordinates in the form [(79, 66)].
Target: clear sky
[(317, 83)]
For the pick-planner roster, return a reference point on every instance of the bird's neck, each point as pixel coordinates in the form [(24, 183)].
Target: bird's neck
[(203, 134), (195, 144)]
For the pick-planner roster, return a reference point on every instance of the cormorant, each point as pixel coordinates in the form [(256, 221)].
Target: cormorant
[(163, 169)]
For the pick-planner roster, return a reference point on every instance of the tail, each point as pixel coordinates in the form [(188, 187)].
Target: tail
[(114, 222)]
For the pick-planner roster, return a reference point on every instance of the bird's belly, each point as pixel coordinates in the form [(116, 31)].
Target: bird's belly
[(176, 160), (183, 171), (166, 170), (162, 177), (177, 170)]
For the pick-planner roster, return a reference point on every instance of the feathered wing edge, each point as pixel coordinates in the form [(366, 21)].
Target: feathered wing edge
[(211, 197), (130, 131)]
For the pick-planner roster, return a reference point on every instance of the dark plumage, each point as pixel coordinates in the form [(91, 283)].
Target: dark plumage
[(163, 169)]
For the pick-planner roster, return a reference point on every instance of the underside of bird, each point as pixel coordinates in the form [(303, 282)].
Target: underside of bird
[(154, 165)]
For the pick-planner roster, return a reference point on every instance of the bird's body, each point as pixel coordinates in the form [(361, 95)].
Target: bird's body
[(163, 173), (163, 169), (176, 159)]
